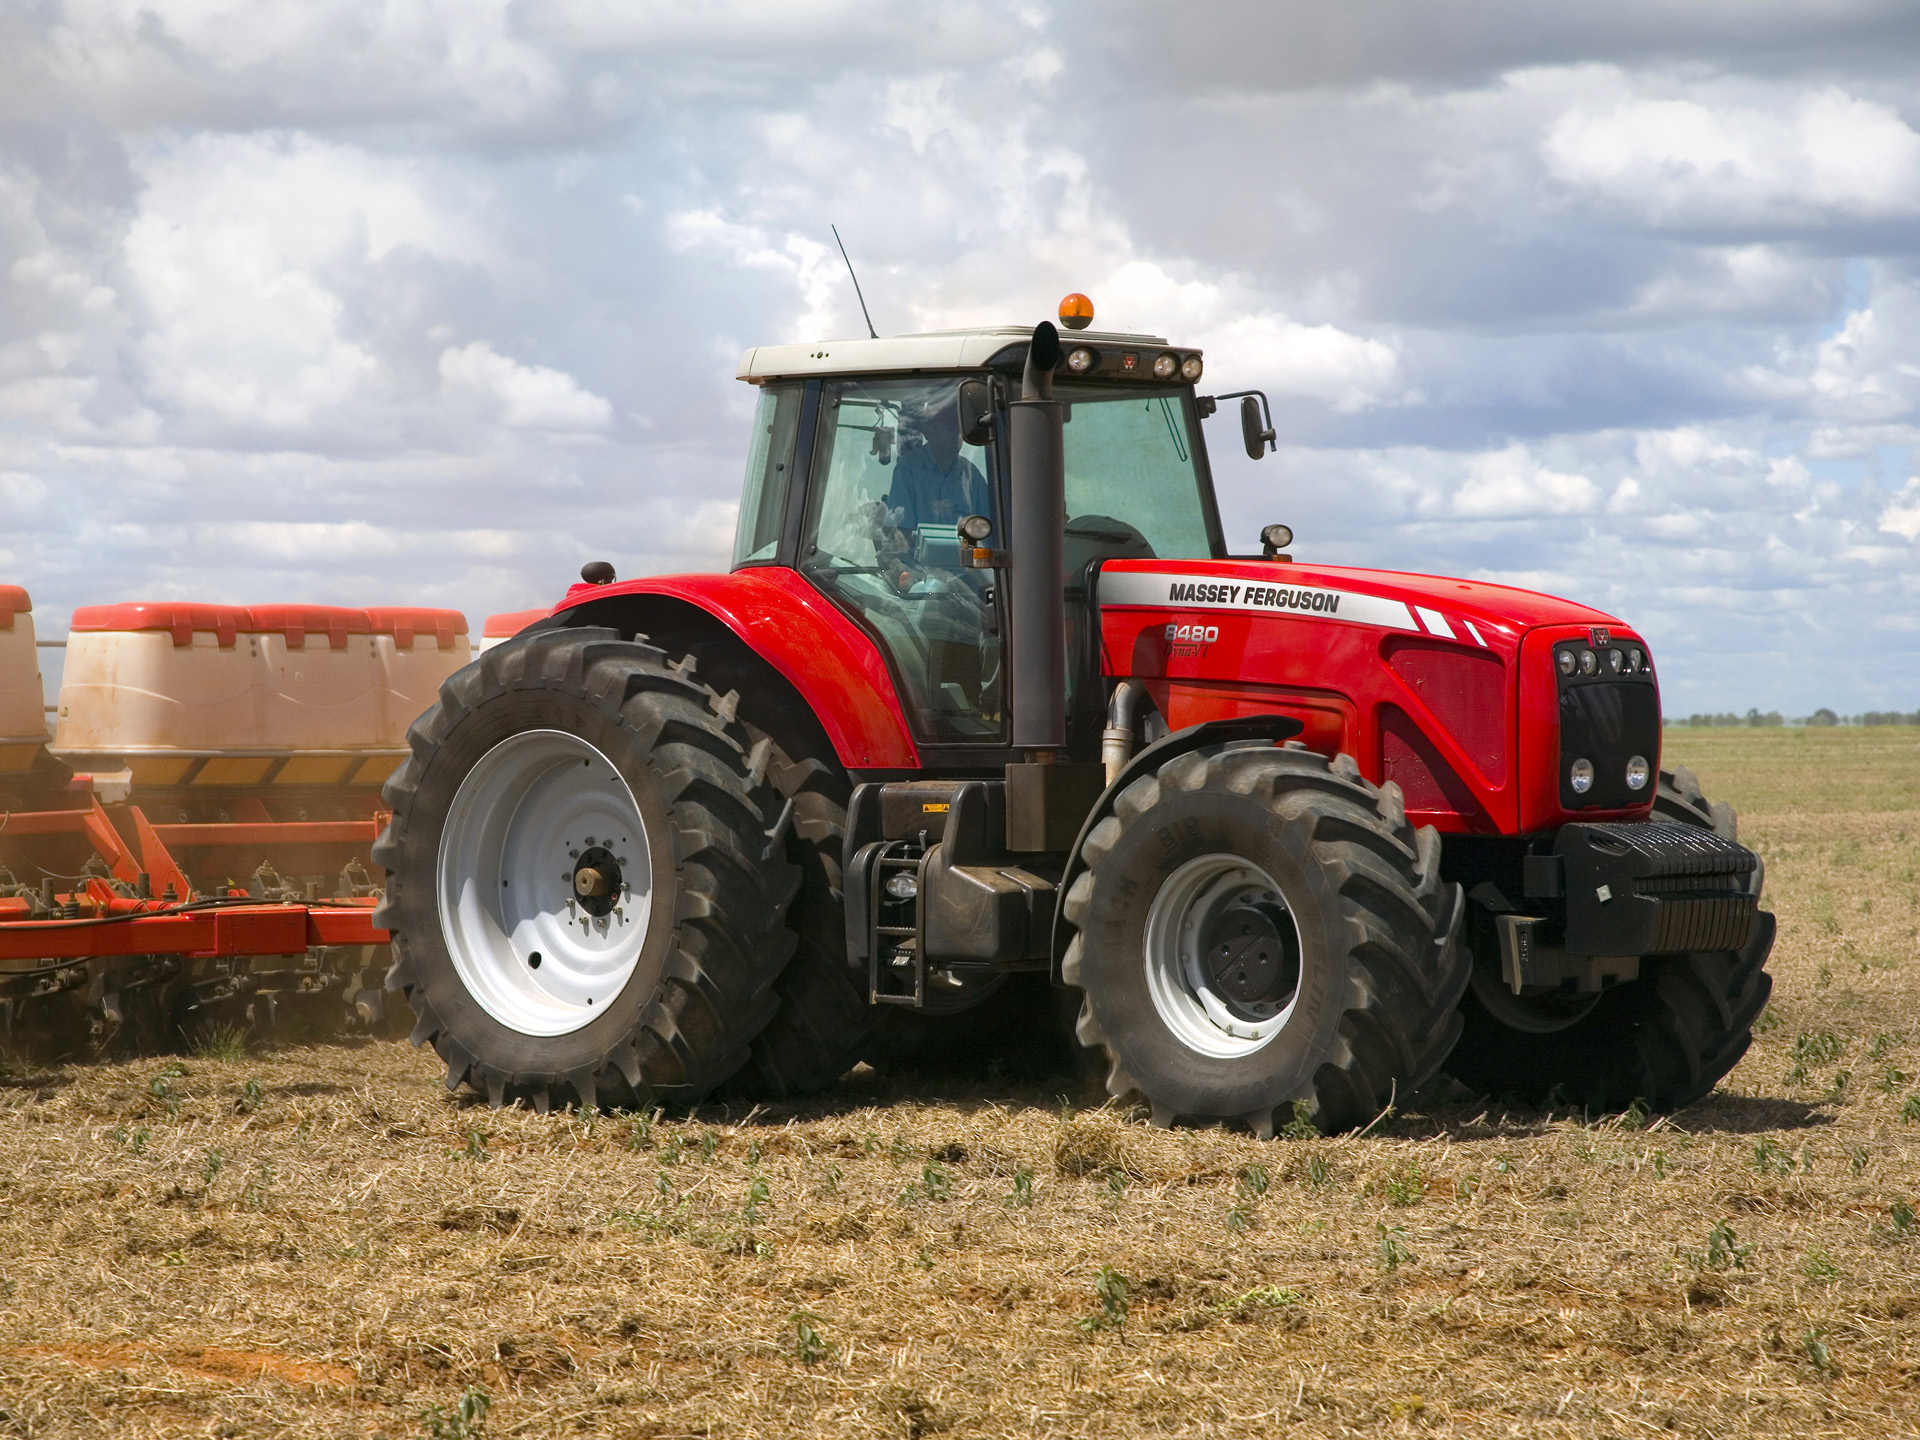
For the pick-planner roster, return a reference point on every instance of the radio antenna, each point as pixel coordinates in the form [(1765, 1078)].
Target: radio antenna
[(872, 334)]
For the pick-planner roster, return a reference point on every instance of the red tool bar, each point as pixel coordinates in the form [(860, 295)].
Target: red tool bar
[(264, 832), (266, 929), (269, 832), (91, 822), (45, 822)]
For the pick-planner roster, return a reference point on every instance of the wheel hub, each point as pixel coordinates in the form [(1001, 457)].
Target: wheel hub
[(1253, 954), (1223, 956), (596, 880)]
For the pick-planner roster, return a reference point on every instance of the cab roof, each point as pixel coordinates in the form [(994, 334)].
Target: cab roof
[(938, 350)]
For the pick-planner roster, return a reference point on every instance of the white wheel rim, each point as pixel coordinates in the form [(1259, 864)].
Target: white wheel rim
[(521, 820), (1178, 923)]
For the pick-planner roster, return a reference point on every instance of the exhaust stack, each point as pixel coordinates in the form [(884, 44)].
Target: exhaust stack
[(1037, 516)]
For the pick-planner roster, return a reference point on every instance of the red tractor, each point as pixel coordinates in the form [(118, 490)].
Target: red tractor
[(986, 693)]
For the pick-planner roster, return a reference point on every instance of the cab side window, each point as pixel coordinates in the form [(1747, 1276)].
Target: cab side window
[(763, 500)]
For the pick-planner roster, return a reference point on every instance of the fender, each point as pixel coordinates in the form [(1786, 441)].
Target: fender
[(830, 661), (1212, 735)]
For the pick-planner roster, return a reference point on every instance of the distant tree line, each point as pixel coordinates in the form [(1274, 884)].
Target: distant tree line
[(1822, 716)]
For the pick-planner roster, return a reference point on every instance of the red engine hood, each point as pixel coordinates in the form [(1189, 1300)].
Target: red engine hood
[(1444, 686)]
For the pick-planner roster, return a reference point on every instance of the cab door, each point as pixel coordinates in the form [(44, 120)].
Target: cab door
[(890, 480)]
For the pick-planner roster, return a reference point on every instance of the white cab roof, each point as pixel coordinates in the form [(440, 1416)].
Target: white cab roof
[(941, 350)]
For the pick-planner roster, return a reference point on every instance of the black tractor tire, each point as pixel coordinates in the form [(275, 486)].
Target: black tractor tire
[(715, 937), (1373, 1014), (824, 1024), (1664, 1040)]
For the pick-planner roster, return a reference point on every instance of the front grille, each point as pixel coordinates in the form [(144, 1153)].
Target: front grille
[(1607, 720)]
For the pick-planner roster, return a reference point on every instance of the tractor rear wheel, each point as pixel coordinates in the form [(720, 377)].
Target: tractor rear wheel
[(1665, 1039), (587, 883), (1258, 927)]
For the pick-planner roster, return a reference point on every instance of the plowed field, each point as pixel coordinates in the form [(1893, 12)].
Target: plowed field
[(322, 1241)]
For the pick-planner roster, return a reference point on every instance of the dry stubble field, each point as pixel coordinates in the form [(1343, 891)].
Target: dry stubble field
[(321, 1241)]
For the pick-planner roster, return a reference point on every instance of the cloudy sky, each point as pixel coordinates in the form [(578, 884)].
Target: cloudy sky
[(433, 300)]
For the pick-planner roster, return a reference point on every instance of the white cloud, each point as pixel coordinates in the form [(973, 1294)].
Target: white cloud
[(809, 266), (21, 494), (316, 542), (529, 395), (1705, 161), (1510, 484), (1863, 377), (1902, 515), (237, 257), (1735, 280), (147, 61), (1322, 362)]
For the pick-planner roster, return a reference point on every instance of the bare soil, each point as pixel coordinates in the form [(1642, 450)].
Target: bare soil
[(322, 1241)]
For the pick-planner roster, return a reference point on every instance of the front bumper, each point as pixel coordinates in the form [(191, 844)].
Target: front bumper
[(1609, 894), (1655, 889)]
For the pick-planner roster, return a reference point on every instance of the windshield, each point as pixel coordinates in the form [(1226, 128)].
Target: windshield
[(1130, 457)]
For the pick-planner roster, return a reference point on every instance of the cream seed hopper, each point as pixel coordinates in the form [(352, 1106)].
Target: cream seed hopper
[(214, 776)]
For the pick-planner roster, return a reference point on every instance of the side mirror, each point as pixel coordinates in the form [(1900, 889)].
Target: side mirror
[(976, 411), (1253, 430)]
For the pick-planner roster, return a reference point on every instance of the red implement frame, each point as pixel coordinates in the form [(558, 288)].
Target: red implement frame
[(104, 922), (268, 928)]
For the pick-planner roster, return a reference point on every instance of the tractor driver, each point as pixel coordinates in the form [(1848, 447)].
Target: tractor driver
[(933, 482)]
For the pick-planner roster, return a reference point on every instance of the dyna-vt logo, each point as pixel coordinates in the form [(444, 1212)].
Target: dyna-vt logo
[(1186, 641)]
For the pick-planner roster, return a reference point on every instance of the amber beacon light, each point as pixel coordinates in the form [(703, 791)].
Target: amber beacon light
[(1076, 311)]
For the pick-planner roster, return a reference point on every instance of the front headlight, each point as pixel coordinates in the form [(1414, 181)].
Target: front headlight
[(1580, 776), (1165, 365), (1637, 773), (1080, 360), (1190, 368)]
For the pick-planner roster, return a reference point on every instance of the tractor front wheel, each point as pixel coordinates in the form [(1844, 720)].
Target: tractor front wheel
[(1665, 1039), (1258, 927)]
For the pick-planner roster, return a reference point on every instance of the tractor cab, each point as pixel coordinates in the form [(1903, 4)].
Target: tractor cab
[(867, 456)]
